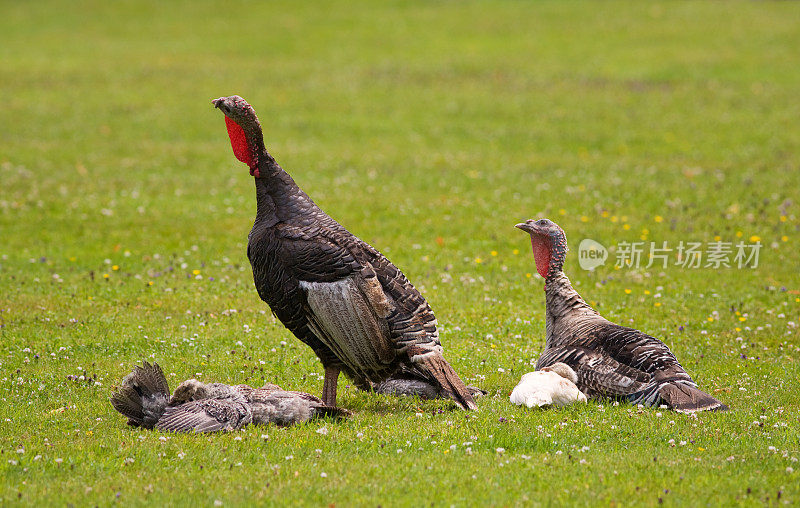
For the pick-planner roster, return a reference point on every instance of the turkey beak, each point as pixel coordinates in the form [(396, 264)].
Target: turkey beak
[(218, 102), (525, 226)]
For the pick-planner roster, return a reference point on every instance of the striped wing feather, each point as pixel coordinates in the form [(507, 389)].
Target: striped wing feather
[(207, 415)]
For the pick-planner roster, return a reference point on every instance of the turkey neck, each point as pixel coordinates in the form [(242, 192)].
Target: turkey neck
[(562, 302), (278, 198)]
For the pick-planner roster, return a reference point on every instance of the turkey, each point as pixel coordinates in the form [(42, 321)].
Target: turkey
[(553, 385), (211, 407), (610, 360), (208, 407), (337, 294)]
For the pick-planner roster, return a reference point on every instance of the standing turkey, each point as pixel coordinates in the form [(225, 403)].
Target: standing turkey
[(610, 360), (336, 293)]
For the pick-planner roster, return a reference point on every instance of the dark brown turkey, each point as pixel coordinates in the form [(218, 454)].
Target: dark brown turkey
[(610, 360), (336, 293)]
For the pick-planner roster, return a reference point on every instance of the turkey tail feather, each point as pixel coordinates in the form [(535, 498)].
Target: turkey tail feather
[(435, 368), (143, 395), (688, 399)]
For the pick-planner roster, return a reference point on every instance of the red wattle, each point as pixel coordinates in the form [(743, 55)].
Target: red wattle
[(541, 255), (239, 144)]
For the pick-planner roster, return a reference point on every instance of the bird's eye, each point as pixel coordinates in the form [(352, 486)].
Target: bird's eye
[(543, 222)]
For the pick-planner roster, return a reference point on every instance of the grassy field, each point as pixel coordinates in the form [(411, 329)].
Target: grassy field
[(428, 129)]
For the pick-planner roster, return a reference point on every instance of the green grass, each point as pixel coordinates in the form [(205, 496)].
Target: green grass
[(428, 129)]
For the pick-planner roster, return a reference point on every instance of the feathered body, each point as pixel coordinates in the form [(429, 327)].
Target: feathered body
[(553, 385), (405, 382), (610, 360), (334, 292), (211, 407)]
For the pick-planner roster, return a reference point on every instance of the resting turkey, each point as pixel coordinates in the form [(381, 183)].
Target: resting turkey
[(336, 293), (610, 360), (200, 407)]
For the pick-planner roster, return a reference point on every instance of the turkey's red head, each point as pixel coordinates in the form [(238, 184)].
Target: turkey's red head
[(244, 129), (549, 245)]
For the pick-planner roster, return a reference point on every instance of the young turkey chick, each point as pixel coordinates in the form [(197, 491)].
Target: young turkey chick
[(211, 407), (553, 385)]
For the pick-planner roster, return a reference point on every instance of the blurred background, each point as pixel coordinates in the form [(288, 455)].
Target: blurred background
[(455, 115)]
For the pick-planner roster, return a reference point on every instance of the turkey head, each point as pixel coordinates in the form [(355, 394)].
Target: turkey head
[(549, 245), (244, 129)]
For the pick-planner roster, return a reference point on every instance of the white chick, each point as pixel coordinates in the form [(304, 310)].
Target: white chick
[(553, 385)]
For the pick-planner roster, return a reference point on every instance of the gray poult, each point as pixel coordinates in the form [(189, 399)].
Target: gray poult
[(210, 407)]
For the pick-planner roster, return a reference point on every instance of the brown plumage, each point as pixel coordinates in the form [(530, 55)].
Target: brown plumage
[(610, 360), (336, 293)]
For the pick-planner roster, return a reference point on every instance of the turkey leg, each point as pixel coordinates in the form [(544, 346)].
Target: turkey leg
[(329, 386)]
